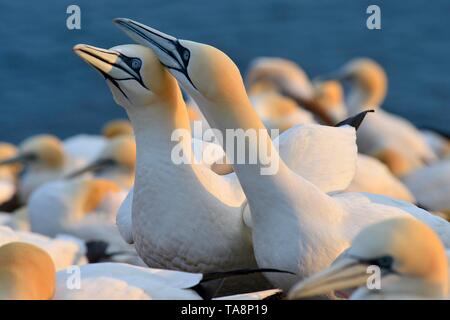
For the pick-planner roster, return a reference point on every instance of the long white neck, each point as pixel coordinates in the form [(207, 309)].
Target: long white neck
[(282, 187), (153, 126)]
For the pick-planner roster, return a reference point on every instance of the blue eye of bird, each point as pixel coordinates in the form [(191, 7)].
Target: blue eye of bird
[(136, 64), (186, 55)]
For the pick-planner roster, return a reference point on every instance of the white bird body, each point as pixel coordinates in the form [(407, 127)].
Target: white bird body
[(383, 131), (84, 208), (430, 185), (118, 281), (49, 161), (295, 226), (391, 138), (84, 146), (64, 250), (373, 176), (438, 143)]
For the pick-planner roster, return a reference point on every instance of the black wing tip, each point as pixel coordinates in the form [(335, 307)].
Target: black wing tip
[(212, 282), (356, 120)]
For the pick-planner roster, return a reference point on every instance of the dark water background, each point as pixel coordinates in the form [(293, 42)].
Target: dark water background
[(44, 87)]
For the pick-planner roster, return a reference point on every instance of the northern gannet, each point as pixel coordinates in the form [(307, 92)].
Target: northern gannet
[(411, 259), (208, 206), (431, 186), (84, 207), (295, 226), (64, 250), (392, 139), (45, 159), (88, 146), (115, 162), (26, 272), (371, 174), (288, 78)]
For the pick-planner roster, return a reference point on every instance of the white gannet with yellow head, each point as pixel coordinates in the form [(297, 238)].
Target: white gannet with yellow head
[(410, 258), (390, 138), (295, 225), (89, 146), (45, 159), (26, 273), (116, 162), (83, 207)]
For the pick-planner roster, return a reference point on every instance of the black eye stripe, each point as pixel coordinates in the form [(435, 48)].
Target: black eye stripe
[(384, 262)]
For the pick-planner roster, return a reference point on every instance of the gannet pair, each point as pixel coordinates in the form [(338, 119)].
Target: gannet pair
[(207, 213), (295, 226), (64, 250), (411, 262), (28, 273)]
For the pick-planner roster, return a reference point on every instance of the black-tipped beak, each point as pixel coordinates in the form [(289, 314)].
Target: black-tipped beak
[(94, 167), (24, 158), (111, 64), (167, 48), (354, 121)]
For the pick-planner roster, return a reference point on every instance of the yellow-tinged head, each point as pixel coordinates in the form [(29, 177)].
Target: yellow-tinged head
[(44, 150), (329, 95), (410, 256), (116, 128), (369, 78), (26, 272), (133, 73)]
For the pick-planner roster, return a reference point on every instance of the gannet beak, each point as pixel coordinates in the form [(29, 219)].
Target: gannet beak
[(96, 166), (22, 158), (111, 64), (168, 49), (344, 274), (354, 121)]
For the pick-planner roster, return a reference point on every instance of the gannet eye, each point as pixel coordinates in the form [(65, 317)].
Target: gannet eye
[(136, 64), (383, 262), (186, 55)]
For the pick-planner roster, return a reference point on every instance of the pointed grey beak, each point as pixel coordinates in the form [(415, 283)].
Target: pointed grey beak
[(167, 48), (94, 167), (24, 158)]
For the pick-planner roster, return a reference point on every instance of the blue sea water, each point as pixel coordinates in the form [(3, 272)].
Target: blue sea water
[(46, 88)]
